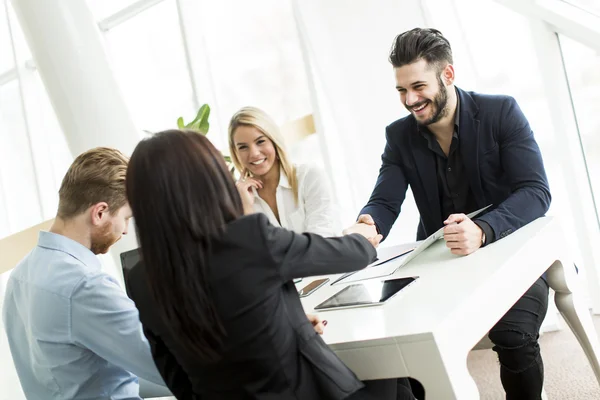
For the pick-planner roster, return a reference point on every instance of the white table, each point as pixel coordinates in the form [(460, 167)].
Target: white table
[(427, 331)]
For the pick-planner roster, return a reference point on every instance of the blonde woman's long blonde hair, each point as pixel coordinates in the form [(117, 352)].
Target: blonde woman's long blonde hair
[(257, 118)]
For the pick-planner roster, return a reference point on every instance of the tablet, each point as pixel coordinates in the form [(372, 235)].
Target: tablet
[(366, 294)]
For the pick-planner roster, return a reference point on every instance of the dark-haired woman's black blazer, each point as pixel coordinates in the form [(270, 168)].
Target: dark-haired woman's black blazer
[(272, 351)]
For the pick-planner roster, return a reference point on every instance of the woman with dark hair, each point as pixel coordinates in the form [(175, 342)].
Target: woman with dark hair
[(215, 288)]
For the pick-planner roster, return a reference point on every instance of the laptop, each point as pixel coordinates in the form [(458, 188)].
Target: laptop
[(129, 259)]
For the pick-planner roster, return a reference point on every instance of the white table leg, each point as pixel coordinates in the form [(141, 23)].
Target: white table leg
[(455, 384), (563, 281), (444, 377)]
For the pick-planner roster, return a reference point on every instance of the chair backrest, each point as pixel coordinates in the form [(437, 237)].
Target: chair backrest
[(298, 129), (16, 246)]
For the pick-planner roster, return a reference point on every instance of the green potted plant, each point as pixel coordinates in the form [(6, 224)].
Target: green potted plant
[(201, 125)]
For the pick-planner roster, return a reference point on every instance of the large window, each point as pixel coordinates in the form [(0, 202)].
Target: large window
[(591, 6), (255, 58), (50, 151), (6, 55), (19, 201), (582, 65), (502, 61), (105, 8), (149, 61), (240, 53), (22, 53), (34, 152), (16, 173)]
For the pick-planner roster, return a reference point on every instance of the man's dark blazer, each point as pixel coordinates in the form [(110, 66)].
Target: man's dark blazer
[(271, 349), (502, 162)]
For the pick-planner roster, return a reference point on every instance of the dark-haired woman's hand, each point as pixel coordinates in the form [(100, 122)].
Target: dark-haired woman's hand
[(369, 231), (244, 187), (317, 323), (375, 240)]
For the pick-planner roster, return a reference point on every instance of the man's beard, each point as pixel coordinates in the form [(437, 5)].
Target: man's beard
[(102, 240), (439, 105)]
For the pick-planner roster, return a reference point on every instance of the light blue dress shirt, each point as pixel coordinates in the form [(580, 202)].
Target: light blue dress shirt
[(72, 331)]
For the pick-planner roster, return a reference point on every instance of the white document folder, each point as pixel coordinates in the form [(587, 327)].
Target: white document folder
[(385, 268)]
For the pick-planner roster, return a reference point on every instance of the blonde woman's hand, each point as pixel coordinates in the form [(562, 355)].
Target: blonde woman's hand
[(244, 187)]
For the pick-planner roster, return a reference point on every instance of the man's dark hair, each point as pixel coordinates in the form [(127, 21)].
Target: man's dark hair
[(418, 43)]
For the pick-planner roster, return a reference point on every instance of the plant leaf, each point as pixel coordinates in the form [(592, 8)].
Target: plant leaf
[(203, 127), (201, 121), (203, 113), (199, 116)]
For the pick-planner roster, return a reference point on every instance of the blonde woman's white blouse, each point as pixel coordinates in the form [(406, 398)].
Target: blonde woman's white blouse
[(315, 209)]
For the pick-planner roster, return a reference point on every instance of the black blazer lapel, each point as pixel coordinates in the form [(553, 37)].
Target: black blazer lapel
[(469, 145)]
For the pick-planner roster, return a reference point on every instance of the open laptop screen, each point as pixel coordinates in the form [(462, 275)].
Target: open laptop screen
[(129, 259)]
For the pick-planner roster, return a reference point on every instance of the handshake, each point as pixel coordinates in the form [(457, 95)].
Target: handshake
[(366, 227)]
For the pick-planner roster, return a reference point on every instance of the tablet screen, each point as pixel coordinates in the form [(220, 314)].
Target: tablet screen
[(368, 293)]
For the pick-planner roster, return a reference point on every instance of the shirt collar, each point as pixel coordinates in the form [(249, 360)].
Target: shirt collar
[(457, 115), (75, 249)]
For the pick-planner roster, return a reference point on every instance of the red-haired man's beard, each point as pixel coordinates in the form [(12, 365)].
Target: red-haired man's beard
[(103, 239)]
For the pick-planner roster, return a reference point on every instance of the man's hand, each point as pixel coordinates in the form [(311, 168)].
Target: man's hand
[(366, 219), (462, 235), (366, 227), (317, 323)]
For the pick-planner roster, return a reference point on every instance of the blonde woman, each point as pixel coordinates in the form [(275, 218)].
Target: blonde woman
[(295, 197)]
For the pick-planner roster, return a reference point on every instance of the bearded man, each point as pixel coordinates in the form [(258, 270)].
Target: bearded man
[(73, 332), (460, 151)]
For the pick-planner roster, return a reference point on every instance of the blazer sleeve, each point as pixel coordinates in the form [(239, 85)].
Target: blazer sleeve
[(307, 254), (170, 370), (390, 190), (522, 163), (173, 374), (319, 213)]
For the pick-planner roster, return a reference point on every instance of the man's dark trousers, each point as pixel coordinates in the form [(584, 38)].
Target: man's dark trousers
[(515, 339)]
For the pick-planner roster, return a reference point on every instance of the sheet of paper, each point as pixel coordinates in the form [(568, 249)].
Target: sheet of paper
[(386, 263), (385, 254), (377, 271)]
